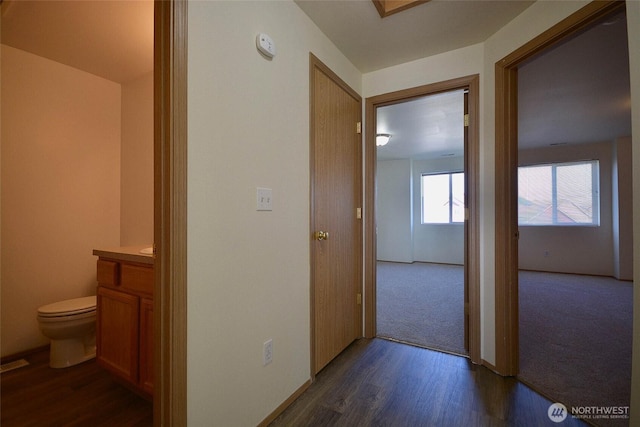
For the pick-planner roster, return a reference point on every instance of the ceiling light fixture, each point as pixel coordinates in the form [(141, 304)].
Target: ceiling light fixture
[(382, 139)]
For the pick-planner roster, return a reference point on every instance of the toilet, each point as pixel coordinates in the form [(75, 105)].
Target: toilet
[(71, 326)]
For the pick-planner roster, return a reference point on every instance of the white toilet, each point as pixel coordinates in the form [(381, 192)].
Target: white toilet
[(71, 326)]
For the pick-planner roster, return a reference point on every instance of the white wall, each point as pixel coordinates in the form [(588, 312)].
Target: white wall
[(394, 210), (401, 235), (248, 126), (249, 271), (571, 249), (136, 186), (60, 187), (604, 250), (73, 144), (439, 243), (622, 209)]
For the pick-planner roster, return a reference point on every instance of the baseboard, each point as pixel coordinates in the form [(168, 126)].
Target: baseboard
[(284, 405), (23, 354)]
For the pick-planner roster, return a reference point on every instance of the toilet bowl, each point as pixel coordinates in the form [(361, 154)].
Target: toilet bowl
[(71, 326)]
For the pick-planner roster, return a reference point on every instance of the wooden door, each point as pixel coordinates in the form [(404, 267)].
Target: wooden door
[(336, 192)]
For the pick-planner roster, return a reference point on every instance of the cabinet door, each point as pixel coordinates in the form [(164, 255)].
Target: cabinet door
[(146, 345), (117, 333)]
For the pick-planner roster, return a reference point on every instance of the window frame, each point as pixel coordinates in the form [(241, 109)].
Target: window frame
[(595, 193), (422, 201)]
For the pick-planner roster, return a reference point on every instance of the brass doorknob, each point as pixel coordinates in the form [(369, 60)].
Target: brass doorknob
[(321, 235)]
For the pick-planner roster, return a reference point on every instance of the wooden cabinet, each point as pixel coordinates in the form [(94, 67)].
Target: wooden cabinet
[(124, 336), (118, 332)]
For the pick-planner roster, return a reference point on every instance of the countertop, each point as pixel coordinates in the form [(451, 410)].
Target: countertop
[(125, 253)]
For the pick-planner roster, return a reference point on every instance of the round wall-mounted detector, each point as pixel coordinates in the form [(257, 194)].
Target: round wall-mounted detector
[(265, 45)]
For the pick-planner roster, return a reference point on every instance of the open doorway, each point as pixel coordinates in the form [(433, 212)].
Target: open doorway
[(382, 230), (420, 189), (574, 217), (582, 267)]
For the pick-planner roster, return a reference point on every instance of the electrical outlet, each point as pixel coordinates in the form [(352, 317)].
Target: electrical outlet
[(267, 352)]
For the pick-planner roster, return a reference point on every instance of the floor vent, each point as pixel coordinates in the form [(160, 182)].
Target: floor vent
[(10, 366)]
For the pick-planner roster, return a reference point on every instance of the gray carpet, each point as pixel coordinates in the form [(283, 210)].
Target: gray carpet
[(575, 331), (575, 339), (422, 304)]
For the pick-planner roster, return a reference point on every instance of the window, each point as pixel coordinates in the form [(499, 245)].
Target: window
[(559, 194), (443, 198)]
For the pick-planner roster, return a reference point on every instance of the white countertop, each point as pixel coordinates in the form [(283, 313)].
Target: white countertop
[(126, 253)]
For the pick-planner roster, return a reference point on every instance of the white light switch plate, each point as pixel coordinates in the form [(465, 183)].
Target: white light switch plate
[(264, 199)]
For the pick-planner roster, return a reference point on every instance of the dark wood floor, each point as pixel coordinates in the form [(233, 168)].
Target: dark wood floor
[(81, 395), (373, 383), (382, 383)]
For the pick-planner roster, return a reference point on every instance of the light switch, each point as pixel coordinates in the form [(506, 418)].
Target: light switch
[(264, 199)]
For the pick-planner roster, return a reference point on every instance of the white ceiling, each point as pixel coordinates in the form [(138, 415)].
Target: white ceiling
[(438, 26), (579, 92), (427, 127), (576, 93), (111, 39)]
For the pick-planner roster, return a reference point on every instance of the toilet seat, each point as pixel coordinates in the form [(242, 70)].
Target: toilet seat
[(69, 307)]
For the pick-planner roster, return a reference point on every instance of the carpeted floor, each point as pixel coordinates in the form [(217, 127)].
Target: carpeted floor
[(575, 331), (575, 339), (405, 292)]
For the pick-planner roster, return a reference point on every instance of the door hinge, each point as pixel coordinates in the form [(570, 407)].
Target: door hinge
[(358, 213), (359, 299), (466, 120), (359, 127)]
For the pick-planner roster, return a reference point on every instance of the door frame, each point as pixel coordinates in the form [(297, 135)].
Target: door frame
[(170, 213), (506, 178), (315, 63), (472, 83)]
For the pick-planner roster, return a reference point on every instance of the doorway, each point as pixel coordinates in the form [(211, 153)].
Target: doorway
[(421, 230), (558, 264), (471, 305), (506, 191)]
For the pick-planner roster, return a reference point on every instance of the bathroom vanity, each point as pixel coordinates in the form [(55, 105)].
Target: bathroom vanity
[(124, 317)]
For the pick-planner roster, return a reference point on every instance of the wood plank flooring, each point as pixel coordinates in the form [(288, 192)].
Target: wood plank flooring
[(81, 395), (373, 383), (382, 383)]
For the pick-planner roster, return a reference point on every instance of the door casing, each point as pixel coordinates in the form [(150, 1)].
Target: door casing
[(170, 213), (472, 83), (506, 178)]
